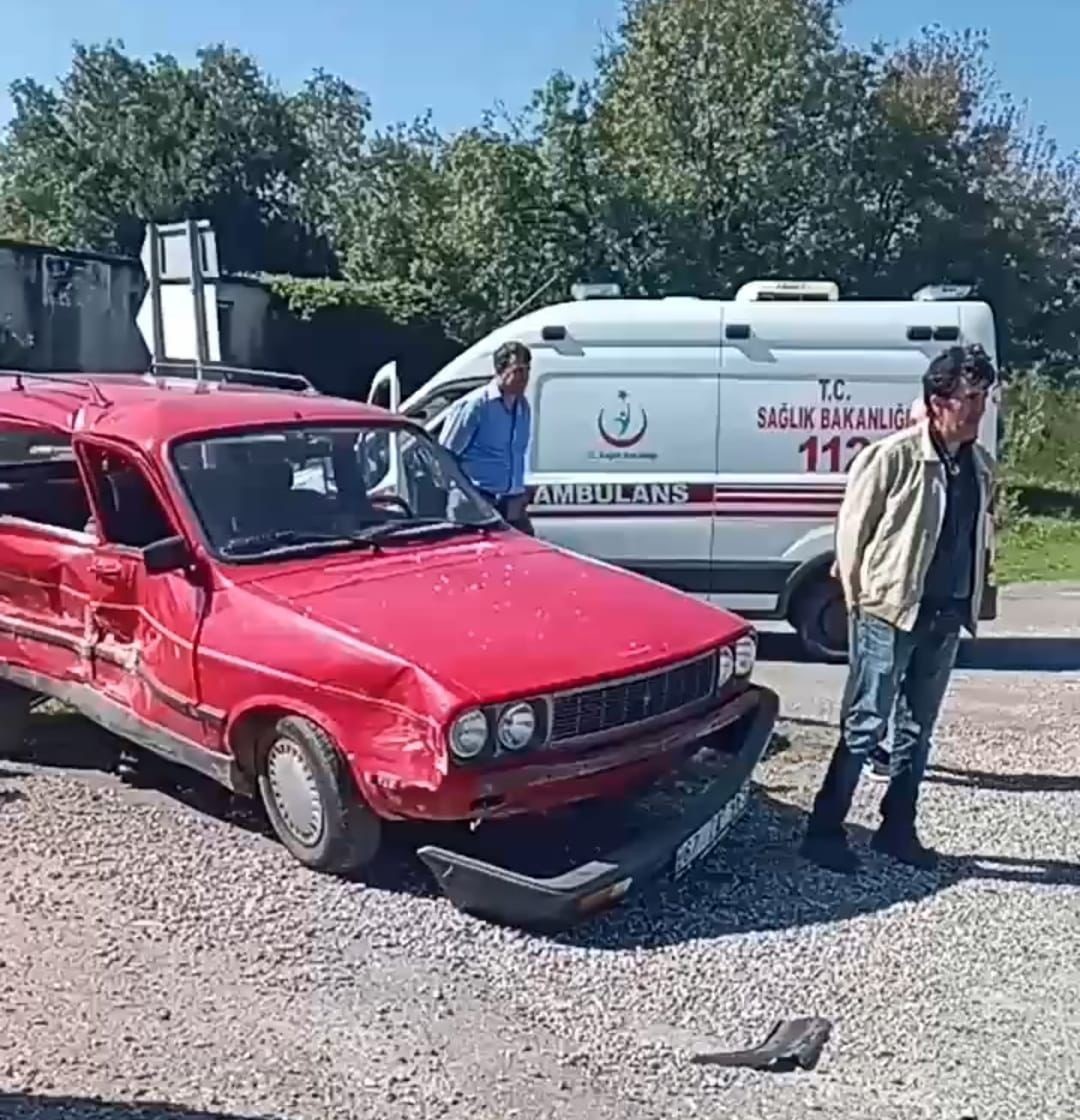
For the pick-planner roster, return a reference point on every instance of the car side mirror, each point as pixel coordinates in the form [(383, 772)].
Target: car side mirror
[(168, 555)]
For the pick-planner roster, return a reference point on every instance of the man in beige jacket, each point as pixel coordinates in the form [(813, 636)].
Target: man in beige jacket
[(877, 765), (911, 540)]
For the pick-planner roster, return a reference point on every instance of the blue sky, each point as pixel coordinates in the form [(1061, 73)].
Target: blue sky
[(457, 57)]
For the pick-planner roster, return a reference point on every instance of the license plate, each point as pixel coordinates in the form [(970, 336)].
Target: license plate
[(711, 832)]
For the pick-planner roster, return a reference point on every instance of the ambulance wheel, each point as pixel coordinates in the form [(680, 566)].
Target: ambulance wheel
[(15, 706), (820, 618)]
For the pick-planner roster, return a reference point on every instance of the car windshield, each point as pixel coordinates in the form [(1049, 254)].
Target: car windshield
[(265, 494)]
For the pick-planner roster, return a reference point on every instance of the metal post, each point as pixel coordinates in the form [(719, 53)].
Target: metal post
[(202, 342), (156, 307)]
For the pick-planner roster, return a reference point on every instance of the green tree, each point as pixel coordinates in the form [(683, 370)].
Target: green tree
[(728, 142), (957, 186), (393, 246), (121, 141), (332, 118), (713, 120), (461, 224), (716, 142)]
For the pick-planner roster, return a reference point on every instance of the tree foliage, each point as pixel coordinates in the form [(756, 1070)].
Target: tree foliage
[(122, 141), (715, 142)]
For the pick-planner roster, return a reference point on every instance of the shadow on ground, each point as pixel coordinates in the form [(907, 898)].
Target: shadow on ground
[(825, 731), (1043, 501), (33, 1106), (755, 880), (1008, 783), (1005, 654), (60, 739)]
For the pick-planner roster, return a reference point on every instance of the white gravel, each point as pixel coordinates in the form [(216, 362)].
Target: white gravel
[(155, 953)]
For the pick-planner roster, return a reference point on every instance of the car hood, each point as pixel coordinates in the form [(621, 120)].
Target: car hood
[(500, 616)]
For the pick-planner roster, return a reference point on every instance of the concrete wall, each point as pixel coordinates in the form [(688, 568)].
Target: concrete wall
[(76, 313), (69, 312), (243, 309)]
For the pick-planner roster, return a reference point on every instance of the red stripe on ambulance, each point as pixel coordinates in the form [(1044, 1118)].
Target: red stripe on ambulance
[(683, 499)]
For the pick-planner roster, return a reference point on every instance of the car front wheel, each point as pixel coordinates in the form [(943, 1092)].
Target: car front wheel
[(311, 800)]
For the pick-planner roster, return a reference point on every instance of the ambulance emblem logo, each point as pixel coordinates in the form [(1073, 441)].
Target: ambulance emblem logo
[(625, 426)]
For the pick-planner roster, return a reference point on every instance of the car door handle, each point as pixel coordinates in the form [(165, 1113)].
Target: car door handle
[(109, 569)]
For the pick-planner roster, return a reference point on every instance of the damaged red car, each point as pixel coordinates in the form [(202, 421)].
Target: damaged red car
[(304, 599)]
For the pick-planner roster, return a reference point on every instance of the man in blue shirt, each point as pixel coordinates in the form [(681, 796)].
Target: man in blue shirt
[(488, 433)]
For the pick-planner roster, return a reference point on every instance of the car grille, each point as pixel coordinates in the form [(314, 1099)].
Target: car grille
[(627, 702)]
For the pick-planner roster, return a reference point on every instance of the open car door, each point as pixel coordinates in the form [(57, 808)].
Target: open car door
[(431, 411), (385, 392)]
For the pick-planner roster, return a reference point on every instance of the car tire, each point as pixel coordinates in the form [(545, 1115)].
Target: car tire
[(313, 805), (15, 706), (819, 616)]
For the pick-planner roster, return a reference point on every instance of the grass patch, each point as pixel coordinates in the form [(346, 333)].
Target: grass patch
[(1035, 549), (1040, 538)]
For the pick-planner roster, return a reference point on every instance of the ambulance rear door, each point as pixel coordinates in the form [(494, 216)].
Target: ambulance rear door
[(804, 387)]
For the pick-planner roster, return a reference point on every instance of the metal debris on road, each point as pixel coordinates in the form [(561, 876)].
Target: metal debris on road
[(791, 1044)]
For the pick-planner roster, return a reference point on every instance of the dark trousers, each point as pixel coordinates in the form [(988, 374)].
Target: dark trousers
[(513, 509), (893, 674)]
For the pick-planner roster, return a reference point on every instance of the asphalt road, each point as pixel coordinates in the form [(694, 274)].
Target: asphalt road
[(1037, 630)]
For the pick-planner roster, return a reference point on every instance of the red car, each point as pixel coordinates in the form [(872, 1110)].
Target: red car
[(304, 599)]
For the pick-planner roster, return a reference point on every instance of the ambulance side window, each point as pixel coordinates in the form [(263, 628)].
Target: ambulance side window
[(442, 398), (648, 415)]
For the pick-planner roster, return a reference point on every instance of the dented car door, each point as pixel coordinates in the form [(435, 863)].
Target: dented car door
[(44, 554), (144, 622)]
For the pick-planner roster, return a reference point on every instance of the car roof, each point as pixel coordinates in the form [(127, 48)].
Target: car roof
[(147, 413)]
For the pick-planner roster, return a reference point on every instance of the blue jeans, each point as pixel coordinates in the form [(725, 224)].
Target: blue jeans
[(896, 676), (899, 674)]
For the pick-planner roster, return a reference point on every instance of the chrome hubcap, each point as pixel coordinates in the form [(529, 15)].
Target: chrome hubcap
[(295, 792)]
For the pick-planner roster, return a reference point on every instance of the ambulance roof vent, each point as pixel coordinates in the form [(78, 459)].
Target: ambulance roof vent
[(937, 292), (595, 291), (788, 291)]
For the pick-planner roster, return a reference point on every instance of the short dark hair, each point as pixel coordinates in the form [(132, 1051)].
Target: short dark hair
[(956, 366), (508, 352)]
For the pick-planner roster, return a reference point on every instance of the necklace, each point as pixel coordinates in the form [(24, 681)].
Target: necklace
[(951, 462)]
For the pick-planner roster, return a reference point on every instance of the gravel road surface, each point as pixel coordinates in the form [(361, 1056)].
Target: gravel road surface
[(162, 955)]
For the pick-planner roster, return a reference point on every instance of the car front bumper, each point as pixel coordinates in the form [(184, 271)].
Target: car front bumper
[(512, 898)]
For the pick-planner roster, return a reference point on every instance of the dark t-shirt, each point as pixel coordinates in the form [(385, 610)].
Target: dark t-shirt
[(950, 578)]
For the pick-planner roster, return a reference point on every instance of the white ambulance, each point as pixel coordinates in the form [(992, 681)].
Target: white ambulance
[(704, 443)]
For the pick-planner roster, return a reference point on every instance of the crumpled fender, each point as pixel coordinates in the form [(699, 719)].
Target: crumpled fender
[(392, 734)]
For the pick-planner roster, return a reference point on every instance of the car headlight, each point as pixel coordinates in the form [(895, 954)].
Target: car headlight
[(469, 734), (516, 728), (725, 667), (745, 655)]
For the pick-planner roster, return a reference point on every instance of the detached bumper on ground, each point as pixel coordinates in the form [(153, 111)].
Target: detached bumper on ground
[(502, 895)]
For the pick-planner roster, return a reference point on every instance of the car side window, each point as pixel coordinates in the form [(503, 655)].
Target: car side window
[(131, 512), (39, 479)]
